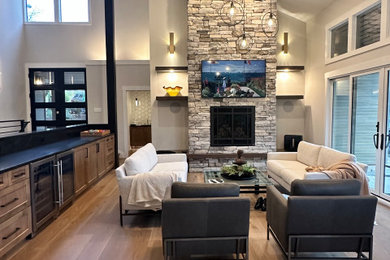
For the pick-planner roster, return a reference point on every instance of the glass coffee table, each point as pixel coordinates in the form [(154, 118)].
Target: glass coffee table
[(256, 185)]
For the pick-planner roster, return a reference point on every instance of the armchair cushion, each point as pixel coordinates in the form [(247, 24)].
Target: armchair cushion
[(198, 190), (325, 187)]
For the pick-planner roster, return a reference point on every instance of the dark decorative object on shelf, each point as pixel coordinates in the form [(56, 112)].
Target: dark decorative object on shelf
[(238, 172)]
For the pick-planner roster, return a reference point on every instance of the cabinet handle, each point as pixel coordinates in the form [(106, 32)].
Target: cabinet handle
[(87, 152), (97, 148), (9, 202), (19, 175), (10, 234)]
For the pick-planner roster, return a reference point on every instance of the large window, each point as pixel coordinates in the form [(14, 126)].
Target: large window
[(58, 97), (57, 11)]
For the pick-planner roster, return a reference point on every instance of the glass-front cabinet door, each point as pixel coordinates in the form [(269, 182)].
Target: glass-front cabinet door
[(58, 97)]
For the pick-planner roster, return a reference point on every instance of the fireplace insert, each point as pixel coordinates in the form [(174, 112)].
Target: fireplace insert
[(232, 126)]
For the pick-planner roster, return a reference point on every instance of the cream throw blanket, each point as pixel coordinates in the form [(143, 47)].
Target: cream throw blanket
[(344, 170), (149, 189)]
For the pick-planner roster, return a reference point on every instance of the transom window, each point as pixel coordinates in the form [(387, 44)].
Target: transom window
[(57, 11)]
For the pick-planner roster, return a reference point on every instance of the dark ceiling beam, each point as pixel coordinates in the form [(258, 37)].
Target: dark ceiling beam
[(111, 72)]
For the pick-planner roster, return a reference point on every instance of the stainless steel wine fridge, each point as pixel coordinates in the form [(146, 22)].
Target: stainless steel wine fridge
[(52, 187)]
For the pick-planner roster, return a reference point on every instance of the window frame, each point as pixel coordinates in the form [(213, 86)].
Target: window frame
[(351, 18), (57, 15), (59, 87)]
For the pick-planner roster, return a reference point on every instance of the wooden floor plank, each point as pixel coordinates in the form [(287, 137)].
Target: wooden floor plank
[(90, 229)]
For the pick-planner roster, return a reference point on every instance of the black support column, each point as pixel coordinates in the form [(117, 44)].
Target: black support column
[(111, 72)]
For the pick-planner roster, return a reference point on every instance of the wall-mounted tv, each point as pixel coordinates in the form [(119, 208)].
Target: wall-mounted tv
[(233, 79)]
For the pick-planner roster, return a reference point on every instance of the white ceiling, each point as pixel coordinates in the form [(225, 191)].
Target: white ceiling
[(303, 10)]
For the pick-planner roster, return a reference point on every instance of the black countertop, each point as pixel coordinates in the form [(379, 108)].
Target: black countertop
[(14, 160)]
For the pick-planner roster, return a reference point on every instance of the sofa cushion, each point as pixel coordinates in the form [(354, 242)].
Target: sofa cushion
[(308, 153), (151, 154), (276, 166), (289, 175), (180, 168), (143, 160), (328, 156)]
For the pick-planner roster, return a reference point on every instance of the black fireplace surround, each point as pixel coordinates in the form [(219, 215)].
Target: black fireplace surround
[(232, 126)]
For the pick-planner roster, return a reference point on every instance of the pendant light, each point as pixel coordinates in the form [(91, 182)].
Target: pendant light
[(232, 12), (244, 42), (269, 22)]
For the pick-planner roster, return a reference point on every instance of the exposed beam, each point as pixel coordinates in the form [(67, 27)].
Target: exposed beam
[(111, 72)]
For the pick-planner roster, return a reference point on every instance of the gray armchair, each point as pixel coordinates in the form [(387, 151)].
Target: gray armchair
[(205, 219), (322, 216)]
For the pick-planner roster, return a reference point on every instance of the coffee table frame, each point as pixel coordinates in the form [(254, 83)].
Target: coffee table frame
[(258, 187)]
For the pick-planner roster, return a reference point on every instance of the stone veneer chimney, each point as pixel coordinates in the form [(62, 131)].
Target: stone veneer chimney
[(209, 38)]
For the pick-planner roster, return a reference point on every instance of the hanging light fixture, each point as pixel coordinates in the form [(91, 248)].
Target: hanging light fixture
[(269, 22), (232, 12), (244, 42)]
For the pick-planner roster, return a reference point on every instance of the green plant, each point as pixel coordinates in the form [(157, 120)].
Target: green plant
[(238, 170)]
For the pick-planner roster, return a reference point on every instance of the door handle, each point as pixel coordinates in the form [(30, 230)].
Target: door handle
[(58, 183), (382, 140), (62, 184), (375, 139)]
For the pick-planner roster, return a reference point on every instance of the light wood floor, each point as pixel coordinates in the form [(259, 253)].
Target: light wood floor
[(90, 229)]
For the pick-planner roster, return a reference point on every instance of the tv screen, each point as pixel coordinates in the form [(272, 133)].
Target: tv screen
[(233, 79)]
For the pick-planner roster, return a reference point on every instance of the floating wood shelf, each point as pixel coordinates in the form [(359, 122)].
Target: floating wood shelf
[(169, 98), (227, 156), (290, 68), (171, 68), (289, 97)]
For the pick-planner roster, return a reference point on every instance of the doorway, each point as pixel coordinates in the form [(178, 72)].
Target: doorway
[(139, 113)]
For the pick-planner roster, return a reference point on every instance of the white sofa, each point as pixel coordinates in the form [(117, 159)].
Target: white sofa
[(285, 167), (146, 160)]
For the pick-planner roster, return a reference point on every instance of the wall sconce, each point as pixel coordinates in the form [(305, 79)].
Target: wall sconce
[(171, 43), (136, 102), (285, 43)]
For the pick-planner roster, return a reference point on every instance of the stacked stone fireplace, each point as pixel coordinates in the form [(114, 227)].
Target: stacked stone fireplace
[(209, 38)]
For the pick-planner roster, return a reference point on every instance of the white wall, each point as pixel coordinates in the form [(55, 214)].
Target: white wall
[(169, 119), (290, 113), (80, 43), (12, 93), (315, 90)]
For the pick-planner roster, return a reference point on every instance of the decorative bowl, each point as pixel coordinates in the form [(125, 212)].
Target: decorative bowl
[(173, 91)]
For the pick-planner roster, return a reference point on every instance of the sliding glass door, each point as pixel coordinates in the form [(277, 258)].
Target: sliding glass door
[(359, 120), (365, 93), (385, 180)]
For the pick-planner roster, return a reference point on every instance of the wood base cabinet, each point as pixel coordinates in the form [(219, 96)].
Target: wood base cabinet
[(15, 208), (92, 161)]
